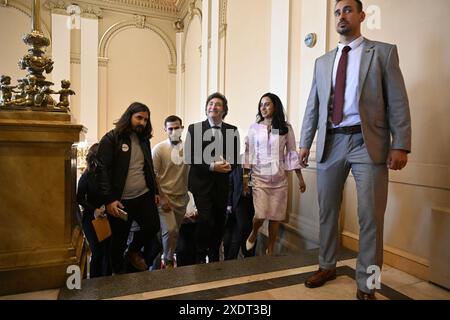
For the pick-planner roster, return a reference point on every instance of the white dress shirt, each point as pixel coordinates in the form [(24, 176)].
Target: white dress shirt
[(212, 165), (351, 110)]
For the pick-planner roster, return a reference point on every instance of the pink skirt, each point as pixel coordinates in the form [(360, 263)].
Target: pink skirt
[(270, 203)]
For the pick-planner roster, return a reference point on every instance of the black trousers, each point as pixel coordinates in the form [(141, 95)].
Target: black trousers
[(143, 210), (210, 228), (237, 229), (100, 264), (186, 249)]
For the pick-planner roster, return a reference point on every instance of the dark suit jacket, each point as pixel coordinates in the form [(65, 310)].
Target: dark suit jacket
[(236, 185), (200, 152)]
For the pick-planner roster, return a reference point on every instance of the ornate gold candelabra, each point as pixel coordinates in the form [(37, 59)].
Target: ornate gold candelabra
[(34, 91)]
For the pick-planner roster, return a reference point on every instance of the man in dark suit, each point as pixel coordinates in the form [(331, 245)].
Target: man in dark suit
[(239, 220), (359, 106), (212, 150)]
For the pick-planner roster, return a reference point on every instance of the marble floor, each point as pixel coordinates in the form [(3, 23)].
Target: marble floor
[(258, 278)]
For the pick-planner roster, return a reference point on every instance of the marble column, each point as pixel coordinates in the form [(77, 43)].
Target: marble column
[(205, 57), (279, 49), (60, 48), (89, 76), (180, 39), (215, 47)]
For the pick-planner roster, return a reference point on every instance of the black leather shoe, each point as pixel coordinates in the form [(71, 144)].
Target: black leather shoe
[(361, 295), (137, 261), (320, 277)]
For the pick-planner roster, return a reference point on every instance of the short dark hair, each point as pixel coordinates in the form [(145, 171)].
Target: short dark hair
[(173, 119), (359, 4), (221, 97), (123, 125)]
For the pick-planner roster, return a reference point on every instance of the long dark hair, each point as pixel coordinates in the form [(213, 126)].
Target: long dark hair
[(91, 158), (123, 125), (278, 118)]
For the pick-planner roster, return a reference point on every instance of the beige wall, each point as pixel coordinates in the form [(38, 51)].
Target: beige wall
[(192, 65), (138, 71), (13, 24), (247, 65)]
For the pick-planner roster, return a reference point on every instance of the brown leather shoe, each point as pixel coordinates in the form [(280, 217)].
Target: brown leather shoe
[(137, 261), (320, 277), (361, 295)]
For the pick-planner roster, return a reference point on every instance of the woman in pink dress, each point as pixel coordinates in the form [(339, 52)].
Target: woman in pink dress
[(270, 153)]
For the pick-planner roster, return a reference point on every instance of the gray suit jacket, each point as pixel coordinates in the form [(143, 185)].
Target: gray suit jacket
[(383, 102)]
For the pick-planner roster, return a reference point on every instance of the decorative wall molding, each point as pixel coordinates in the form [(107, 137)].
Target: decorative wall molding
[(191, 13), (223, 12), (161, 5), (87, 10), (182, 6), (223, 18), (139, 21), (128, 24), (103, 62), (173, 68), (178, 26), (166, 9), (75, 58)]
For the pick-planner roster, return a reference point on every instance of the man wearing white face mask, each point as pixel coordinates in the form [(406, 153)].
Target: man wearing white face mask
[(172, 176)]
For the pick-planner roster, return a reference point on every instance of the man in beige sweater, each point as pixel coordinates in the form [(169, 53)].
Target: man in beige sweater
[(171, 175)]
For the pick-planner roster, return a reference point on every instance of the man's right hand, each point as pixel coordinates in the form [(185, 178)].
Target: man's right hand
[(165, 204), (112, 208), (304, 155), (222, 167)]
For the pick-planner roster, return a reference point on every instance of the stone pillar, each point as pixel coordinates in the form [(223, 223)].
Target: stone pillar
[(279, 49), (215, 47), (60, 47), (39, 233), (205, 57), (179, 29), (89, 76)]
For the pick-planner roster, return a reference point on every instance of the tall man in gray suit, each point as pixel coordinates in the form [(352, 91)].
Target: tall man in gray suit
[(359, 106)]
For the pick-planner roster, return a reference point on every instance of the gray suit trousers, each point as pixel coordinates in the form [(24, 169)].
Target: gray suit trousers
[(344, 153)]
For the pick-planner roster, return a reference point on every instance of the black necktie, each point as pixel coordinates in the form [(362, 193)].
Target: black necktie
[(339, 88)]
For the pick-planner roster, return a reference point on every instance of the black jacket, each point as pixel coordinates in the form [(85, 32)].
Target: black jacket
[(201, 179), (114, 153), (87, 194)]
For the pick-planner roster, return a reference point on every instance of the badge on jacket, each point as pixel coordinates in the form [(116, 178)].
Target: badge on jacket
[(125, 148)]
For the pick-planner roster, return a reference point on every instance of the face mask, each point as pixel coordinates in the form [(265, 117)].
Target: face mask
[(175, 135)]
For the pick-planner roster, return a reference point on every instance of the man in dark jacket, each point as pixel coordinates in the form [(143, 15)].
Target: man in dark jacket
[(240, 212), (212, 150), (127, 184)]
